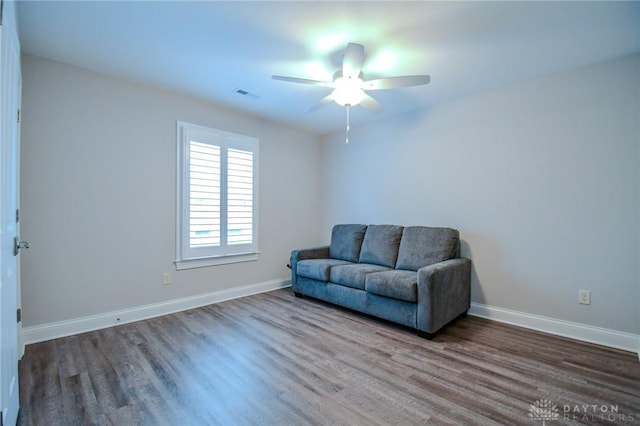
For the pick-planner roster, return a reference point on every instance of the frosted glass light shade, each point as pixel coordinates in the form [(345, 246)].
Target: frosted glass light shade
[(348, 91)]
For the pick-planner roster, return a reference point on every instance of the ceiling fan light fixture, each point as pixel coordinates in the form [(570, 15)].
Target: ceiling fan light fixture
[(348, 91), (349, 87)]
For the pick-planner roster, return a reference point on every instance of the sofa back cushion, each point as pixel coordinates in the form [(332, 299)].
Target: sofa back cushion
[(421, 246), (380, 245), (346, 241)]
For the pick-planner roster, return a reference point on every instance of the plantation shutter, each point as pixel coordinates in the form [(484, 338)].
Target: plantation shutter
[(239, 197), (218, 192), (204, 199)]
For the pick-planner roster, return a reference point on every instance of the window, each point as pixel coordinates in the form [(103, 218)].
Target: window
[(217, 203)]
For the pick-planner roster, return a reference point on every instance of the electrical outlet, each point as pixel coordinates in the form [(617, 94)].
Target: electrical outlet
[(166, 278), (584, 297)]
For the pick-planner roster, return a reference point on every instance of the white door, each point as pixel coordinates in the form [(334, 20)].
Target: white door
[(10, 88)]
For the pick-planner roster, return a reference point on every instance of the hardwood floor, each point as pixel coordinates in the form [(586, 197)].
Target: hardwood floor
[(271, 359)]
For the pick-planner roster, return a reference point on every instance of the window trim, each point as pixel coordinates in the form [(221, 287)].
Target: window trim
[(185, 258)]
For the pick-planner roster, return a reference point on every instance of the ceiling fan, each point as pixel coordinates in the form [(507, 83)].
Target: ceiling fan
[(349, 86)]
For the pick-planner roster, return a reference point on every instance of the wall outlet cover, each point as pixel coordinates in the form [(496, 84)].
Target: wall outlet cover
[(584, 297)]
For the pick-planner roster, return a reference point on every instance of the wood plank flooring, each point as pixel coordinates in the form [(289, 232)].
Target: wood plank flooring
[(272, 359)]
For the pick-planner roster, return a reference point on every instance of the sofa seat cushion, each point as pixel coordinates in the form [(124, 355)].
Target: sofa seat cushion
[(422, 245), (318, 269), (346, 241), (380, 245), (353, 275), (400, 285)]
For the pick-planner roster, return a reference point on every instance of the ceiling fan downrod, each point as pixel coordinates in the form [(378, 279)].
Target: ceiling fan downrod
[(348, 126)]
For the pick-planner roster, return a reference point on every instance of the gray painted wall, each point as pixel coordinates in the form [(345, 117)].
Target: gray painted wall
[(98, 194), (541, 179)]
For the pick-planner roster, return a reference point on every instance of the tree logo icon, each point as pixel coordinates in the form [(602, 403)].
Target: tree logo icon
[(544, 410)]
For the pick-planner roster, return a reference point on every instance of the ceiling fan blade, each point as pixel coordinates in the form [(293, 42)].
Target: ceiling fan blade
[(396, 82), (322, 102), (371, 104), (353, 59), (302, 81)]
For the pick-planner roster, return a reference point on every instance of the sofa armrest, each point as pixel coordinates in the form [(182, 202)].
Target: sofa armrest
[(302, 254), (444, 293)]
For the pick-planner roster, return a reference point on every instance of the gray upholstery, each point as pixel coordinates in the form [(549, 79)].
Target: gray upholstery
[(310, 253), (338, 294), (394, 310), (318, 269), (401, 285), (346, 241), (421, 246), (354, 275), (380, 245), (444, 299), (428, 288)]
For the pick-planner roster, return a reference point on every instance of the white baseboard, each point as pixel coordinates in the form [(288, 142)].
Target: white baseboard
[(41, 333), (586, 333)]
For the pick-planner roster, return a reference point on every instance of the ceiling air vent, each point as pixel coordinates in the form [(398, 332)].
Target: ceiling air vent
[(246, 93)]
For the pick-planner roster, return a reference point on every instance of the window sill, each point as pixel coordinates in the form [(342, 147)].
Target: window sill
[(214, 261)]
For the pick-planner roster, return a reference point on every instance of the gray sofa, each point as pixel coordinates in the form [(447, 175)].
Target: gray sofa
[(407, 275)]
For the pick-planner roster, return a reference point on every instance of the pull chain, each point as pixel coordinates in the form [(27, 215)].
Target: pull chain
[(348, 126)]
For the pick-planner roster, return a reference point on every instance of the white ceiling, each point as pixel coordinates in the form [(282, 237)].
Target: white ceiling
[(209, 49)]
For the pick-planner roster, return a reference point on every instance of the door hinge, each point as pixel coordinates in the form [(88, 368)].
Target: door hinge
[(18, 316), (18, 115), (17, 215)]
